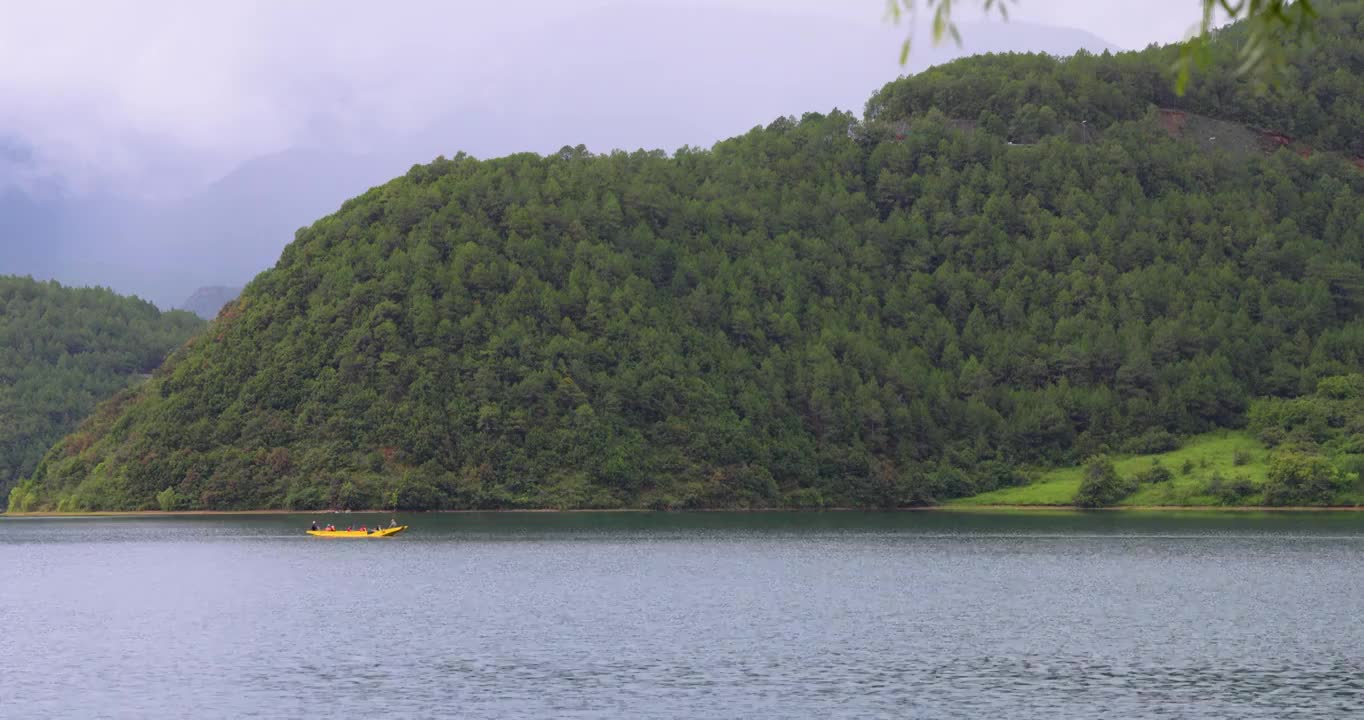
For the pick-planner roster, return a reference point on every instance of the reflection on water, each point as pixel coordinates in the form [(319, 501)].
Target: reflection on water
[(933, 615)]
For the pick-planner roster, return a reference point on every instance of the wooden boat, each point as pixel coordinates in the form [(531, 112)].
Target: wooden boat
[(375, 533)]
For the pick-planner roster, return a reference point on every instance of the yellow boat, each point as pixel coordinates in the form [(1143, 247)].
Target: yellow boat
[(375, 533)]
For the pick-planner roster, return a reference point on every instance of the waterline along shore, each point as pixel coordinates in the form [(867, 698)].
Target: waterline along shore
[(961, 509)]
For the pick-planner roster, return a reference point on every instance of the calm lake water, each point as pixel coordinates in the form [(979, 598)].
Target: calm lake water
[(642, 615)]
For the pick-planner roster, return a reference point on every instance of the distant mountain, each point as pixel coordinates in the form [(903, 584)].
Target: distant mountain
[(25, 221), (622, 83), (207, 301), (226, 233)]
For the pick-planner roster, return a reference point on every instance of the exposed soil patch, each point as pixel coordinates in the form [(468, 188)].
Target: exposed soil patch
[(1212, 135)]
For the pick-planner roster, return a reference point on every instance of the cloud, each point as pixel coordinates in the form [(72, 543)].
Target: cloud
[(113, 91), (88, 84), (1131, 24), (159, 95)]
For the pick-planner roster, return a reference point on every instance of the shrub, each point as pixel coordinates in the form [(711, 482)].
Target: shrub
[(1307, 417), (952, 482), (993, 474), (23, 497), (1177, 495), (662, 503), (166, 499), (806, 497), (1101, 485), (1299, 445), (1150, 442), (919, 487), (1272, 436), (1086, 444), (1238, 488), (355, 493), (305, 497), (1239, 457), (1297, 478), (1342, 387), (413, 494), (1229, 491), (1187, 468), (1157, 473), (1352, 466)]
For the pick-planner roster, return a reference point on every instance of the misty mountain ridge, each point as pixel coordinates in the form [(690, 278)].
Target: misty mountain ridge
[(742, 70), (207, 302)]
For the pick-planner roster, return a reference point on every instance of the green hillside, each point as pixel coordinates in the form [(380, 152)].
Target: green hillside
[(1316, 102), (823, 311), (1219, 468), (62, 350), (1307, 450)]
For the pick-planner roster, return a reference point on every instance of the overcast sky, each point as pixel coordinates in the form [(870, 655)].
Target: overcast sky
[(176, 92)]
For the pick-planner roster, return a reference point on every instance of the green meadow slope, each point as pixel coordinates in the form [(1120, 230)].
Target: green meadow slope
[(1302, 451), (1197, 467)]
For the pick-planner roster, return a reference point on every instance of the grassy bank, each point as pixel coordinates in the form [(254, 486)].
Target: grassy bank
[(1226, 454)]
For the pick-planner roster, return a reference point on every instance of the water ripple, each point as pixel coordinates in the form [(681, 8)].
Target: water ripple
[(721, 618)]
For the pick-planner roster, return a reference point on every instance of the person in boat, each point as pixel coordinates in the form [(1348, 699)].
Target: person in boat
[(364, 530), (393, 522), (314, 525)]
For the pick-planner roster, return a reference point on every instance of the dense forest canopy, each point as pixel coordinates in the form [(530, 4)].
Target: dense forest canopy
[(1265, 28), (820, 312), (62, 350), (1318, 100)]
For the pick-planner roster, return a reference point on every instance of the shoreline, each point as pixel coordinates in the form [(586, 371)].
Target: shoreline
[(933, 508), (1162, 508)]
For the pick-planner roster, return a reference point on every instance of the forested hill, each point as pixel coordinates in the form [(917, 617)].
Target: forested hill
[(819, 312), (1316, 104), (62, 350)]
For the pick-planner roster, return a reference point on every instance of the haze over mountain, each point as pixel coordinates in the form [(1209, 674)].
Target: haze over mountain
[(605, 78), (206, 302)]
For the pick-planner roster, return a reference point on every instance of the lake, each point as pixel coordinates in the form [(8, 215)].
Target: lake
[(663, 615)]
